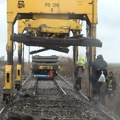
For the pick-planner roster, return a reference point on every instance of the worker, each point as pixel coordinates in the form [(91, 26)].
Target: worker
[(79, 71), (111, 84), (99, 66), (51, 74), (81, 61)]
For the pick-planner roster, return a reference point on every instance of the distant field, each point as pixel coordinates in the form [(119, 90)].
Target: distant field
[(114, 64)]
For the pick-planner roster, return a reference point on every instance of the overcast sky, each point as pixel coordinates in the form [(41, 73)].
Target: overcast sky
[(108, 31)]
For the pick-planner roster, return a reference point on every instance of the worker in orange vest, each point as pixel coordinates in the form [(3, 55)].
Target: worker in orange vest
[(51, 74)]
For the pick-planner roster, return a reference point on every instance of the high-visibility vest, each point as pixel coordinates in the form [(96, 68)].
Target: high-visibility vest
[(81, 61), (110, 87)]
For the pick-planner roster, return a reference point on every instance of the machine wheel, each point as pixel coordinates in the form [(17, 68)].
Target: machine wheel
[(77, 87), (17, 87), (6, 98)]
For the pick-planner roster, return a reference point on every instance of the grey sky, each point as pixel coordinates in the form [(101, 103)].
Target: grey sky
[(108, 30)]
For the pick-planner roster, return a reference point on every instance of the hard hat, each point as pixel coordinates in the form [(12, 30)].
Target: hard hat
[(80, 64), (100, 57)]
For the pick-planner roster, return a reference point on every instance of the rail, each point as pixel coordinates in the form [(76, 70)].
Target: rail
[(60, 88)]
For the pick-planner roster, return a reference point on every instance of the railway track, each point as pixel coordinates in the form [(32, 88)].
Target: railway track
[(54, 100)]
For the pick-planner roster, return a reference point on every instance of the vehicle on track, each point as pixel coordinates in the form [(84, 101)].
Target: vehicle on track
[(45, 67)]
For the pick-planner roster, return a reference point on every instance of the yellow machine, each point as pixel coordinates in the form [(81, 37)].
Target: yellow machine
[(8, 83), (55, 26), (49, 27), (48, 12), (18, 80)]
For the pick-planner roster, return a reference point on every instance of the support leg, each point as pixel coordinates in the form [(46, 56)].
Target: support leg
[(91, 54), (18, 81), (75, 58), (8, 75)]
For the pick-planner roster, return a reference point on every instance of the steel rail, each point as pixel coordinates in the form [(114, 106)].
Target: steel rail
[(79, 92), (106, 114), (60, 88)]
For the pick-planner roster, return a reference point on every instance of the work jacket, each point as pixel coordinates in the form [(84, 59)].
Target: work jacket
[(81, 61)]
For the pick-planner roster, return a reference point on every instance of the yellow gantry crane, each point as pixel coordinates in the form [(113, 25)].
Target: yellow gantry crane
[(52, 16)]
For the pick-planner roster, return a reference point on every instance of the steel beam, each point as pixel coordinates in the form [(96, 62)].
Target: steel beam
[(63, 42), (62, 49)]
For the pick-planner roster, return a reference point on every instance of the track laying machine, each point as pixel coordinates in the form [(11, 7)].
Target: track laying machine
[(48, 23), (45, 67)]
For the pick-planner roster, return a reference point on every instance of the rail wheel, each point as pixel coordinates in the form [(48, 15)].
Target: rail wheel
[(6, 98)]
